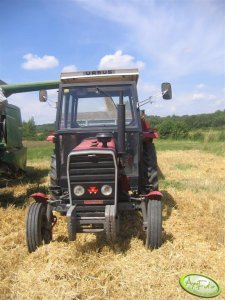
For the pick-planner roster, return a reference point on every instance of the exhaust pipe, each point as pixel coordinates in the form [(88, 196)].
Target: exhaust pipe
[(121, 125)]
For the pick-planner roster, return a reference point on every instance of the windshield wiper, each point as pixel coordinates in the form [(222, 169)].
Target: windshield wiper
[(98, 90)]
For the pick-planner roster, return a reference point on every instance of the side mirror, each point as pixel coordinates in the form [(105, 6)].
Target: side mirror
[(166, 91), (43, 96)]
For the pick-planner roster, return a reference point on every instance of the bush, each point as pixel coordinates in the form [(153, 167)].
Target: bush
[(221, 136), (196, 136), (173, 129)]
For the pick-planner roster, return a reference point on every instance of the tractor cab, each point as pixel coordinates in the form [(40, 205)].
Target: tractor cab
[(93, 103)]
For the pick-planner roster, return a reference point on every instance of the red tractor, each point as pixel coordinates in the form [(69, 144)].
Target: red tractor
[(104, 161)]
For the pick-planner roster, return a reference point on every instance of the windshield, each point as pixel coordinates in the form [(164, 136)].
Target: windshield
[(95, 106)]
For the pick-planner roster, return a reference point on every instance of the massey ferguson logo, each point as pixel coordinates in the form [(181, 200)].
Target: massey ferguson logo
[(104, 72)]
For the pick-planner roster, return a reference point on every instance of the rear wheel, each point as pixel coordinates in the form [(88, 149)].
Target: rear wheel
[(150, 169), (53, 174), (154, 224), (38, 226)]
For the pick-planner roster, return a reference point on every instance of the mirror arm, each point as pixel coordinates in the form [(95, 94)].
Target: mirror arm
[(143, 102)]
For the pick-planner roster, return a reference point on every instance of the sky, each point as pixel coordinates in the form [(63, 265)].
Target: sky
[(176, 41)]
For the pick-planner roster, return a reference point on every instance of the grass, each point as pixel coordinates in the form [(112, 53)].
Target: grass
[(38, 150), (192, 182), (217, 148)]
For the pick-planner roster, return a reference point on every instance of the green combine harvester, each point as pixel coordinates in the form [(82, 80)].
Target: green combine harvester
[(13, 154)]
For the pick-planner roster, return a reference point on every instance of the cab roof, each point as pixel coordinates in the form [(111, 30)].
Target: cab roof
[(100, 76)]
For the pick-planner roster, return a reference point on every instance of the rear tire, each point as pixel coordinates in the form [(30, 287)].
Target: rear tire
[(154, 224), (150, 169), (38, 229), (53, 173), (53, 177)]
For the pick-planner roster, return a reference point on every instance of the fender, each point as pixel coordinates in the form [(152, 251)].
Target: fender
[(148, 132), (40, 197), (153, 195), (151, 134), (51, 137)]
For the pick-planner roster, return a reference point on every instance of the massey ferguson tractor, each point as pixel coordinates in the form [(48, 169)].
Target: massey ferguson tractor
[(104, 160)]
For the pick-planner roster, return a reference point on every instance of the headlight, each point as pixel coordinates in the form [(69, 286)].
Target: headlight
[(79, 190), (106, 190)]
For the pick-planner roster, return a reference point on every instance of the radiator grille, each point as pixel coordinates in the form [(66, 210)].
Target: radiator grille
[(91, 169)]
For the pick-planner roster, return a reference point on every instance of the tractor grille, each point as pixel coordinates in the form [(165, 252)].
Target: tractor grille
[(91, 169)]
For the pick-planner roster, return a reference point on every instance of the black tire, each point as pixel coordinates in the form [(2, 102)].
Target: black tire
[(154, 224), (72, 229), (150, 168), (112, 224), (53, 173), (38, 229), (53, 177)]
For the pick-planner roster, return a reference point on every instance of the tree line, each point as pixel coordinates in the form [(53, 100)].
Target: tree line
[(176, 127), (188, 126)]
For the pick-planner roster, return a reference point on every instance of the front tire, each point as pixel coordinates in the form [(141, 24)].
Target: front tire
[(38, 229), (154, 224), (72, 229)]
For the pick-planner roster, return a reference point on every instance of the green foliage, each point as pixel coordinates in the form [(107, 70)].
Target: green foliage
[(33, 132), (196, 136), (193, 127), (39, 150), (29, 130), (216, 119), (217, 148), (173, 129)]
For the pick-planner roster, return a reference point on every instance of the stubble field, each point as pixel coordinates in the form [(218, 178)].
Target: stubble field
[(193, 185)]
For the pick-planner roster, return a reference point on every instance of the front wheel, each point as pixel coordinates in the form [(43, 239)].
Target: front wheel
[(154, 224), (38, 228)]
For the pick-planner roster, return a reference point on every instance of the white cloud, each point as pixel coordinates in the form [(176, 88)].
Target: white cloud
[(69, 68), (198, 96), (119, 60), (203, 96), (178, 46), (34, 62), (200, 86)]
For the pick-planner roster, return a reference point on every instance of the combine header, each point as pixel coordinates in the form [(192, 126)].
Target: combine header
[(13, 154)]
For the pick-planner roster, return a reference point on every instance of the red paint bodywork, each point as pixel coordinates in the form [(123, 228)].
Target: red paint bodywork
[(40, 197), (154, 195), (51, 137), (149, 133), (93, 144)]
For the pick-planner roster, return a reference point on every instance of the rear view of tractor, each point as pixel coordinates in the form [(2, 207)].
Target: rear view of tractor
[(12, 151)]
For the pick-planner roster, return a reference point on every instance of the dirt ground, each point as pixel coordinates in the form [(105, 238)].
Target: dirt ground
[(193, 240)]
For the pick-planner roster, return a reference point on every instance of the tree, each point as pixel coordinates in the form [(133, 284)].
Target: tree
[(171, 128), (29, 129)]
